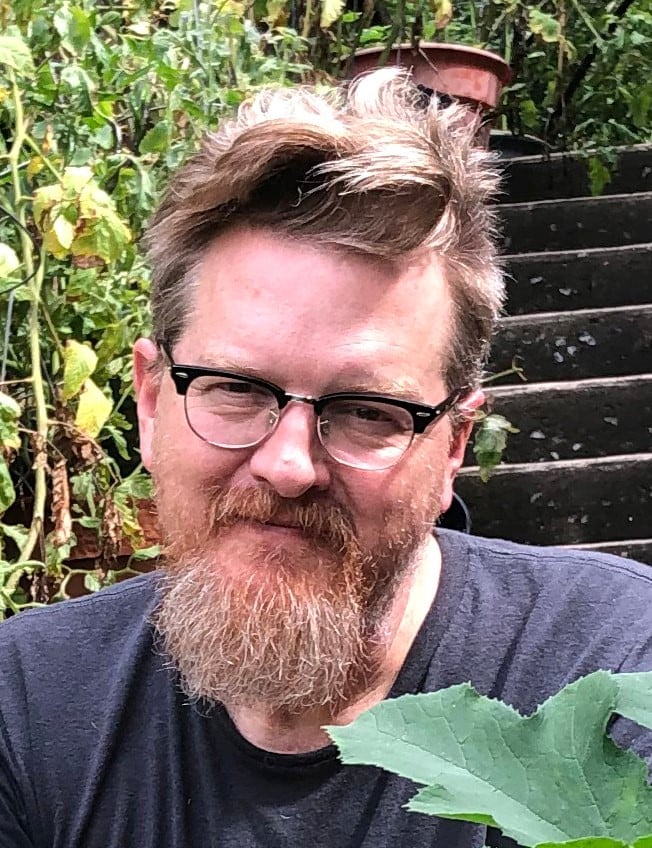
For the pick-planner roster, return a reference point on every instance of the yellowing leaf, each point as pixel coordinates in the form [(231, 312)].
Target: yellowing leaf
[(233, 7), (106, 237), (443, 12), (93, 410), (16, 54), (79, 362), (330, 12), (98, 231), (8, 261), (34, 166), (545, 25), (64, 231), (44, 199), (7, 491), (276, 12), (9, 415), (8, 406), (52, 245), (140, 28), (76, 179)]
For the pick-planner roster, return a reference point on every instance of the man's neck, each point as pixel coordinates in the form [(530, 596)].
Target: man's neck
[(303, 733)]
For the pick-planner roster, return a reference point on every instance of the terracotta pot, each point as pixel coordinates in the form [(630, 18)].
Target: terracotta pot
[(473, 76), (88, 547), (87, 553)]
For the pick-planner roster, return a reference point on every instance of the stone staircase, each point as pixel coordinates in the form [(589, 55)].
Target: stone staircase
[(579, 321)]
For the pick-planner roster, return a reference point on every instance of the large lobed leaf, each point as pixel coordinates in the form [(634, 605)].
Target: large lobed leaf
[(544, 780)]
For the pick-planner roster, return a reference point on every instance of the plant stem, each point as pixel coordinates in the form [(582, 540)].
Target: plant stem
[(305, 30), (36, 282), (515, 369), (31, 143)]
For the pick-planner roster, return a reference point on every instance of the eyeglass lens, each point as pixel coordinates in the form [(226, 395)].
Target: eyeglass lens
[(234, 413)]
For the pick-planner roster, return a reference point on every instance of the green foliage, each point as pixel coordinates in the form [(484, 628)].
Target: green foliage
[(98, 104), (551, 779), (544, 42), (490, 441)]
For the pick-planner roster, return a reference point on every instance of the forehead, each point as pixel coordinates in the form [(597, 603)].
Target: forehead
[(294, 311)]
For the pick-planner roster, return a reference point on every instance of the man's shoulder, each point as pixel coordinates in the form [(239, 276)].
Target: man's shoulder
[(547, 564), (94, 622), (579, 589)]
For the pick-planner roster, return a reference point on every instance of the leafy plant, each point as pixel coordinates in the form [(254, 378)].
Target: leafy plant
[(575, 63), (95, 112), (548, 780)]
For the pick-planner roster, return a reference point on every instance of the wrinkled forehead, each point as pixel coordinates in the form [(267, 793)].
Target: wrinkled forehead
[(280, 303)]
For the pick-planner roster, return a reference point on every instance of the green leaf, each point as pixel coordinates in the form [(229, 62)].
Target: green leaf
[(73, 25), (545, 25), (599, 175), (18, 533), (9, 408), (15, 53), (7, 491), (330, 12), (92, 582), (546, 778), (93, 410), (490, 441), (156, 140), (79, 362), (598, 842), (147, 553)]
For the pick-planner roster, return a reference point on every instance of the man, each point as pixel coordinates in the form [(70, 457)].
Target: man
[(325, 286)]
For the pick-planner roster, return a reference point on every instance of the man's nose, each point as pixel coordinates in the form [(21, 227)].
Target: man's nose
[(292, 460)]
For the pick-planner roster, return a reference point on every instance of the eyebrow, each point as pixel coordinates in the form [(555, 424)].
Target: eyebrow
[(402, 388)]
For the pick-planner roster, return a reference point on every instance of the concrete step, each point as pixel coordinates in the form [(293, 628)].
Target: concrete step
[(638, 549), (565, 175), (575, 419), (563, 503), (579, 279), (581, 222), (584, 344)]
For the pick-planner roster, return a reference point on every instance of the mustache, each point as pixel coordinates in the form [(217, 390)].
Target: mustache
[(319, 519)]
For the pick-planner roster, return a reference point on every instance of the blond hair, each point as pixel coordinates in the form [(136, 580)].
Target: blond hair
[(368, 167)]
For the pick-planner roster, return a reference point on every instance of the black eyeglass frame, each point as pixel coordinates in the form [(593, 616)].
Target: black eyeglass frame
[(423, 415)]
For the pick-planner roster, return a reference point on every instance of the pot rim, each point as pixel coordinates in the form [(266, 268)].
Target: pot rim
[(501, 67)]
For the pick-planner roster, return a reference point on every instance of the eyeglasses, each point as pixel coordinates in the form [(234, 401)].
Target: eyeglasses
[(366, 431)]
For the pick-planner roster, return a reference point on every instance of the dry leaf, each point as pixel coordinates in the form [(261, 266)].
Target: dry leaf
[(61, 504)]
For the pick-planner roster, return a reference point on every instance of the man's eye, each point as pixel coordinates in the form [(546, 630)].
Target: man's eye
[(225, 391), (236, 388), (366, 415), (369, 413)]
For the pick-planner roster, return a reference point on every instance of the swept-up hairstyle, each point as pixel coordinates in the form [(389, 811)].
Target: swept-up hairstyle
[(370, 167)]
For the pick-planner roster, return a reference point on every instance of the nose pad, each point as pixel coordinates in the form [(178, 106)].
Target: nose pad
[(274, 415)]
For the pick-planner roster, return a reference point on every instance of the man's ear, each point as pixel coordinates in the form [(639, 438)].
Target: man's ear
[(462, 430), (147, 380)]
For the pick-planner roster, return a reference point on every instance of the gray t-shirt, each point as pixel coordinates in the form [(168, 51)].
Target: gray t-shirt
[(98, 748)]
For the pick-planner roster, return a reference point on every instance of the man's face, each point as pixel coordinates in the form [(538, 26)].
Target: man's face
[(288, 614)]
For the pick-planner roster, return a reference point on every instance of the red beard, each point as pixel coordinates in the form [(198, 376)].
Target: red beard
[(291, 622)]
